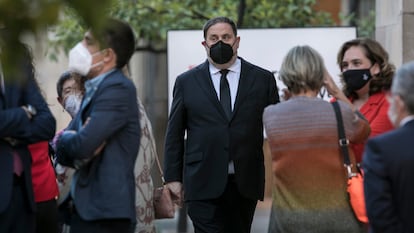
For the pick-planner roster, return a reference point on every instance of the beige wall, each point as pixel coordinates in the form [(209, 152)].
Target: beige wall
[(389, 28), (395, 29), (408, 30)]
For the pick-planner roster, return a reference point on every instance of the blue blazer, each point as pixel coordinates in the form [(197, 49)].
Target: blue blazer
[(389, 180), (21, 89), (212, 138), (105, 186)]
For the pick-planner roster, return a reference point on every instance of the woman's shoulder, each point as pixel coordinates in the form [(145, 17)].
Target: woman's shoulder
[(298, 107)]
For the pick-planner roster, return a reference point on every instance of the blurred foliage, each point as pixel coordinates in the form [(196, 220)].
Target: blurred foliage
[(152, 19), (20, 18), (284, 13), (365, 24), (67, 20)]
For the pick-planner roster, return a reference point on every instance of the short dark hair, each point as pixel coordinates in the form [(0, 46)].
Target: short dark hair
[(65, 76), (117, 35), (217, 20), (62, 79)]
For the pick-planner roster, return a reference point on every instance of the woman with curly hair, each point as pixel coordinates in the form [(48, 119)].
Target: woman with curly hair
[(366, 76)]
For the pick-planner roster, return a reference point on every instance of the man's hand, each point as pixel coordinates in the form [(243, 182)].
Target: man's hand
[(176, 189)]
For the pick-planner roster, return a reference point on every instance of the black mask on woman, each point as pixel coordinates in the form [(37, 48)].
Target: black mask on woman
[(356, 79), (221, 52)]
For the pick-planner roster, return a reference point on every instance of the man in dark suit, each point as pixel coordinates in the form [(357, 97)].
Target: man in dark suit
[(25, 118), (218, 105), (389, 162), (101, 141)]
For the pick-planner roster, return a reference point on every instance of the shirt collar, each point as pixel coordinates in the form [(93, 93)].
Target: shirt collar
[(406, 119), (235, 67), (94, 83)]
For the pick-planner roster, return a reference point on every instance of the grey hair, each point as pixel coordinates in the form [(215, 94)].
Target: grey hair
[(302, 69), (403, 85)]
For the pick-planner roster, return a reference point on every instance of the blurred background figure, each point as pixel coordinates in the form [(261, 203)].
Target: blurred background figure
[(25, 118), (309, 179), (143, 181), (144, 187), (70, 90), (389, 162)]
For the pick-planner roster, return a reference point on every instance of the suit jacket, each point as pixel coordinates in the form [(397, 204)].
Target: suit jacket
[(21, 89), (105, 186), (201, 163), (389, 177)]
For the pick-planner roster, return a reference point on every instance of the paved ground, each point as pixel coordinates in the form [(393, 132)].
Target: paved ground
[(259, 225)]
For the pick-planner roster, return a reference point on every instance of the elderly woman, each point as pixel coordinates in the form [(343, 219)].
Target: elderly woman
[(309, 179)]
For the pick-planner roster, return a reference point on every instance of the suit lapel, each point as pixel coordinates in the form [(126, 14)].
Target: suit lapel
[(90, 95), (204, 79)]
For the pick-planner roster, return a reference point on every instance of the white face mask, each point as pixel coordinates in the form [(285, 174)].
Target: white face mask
[(80, 60), (72, 104)]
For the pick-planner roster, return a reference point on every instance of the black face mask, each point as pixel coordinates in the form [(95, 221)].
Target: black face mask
[(356, 79), (221, 52)]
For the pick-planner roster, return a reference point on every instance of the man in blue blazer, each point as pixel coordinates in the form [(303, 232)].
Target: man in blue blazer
[(102, 141), (389, 162), (218, 105), (25, 118)]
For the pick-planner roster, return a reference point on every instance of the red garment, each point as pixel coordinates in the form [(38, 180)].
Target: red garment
[(43, 175), (375, 111)]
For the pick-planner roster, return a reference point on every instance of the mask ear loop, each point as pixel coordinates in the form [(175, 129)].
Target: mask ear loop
[(100, 62)]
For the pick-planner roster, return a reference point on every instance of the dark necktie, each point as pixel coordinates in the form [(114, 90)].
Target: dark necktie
[(17, 164), (225, 98)]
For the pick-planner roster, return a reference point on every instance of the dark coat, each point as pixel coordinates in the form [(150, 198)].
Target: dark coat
[(201, 162), (389, 180), (105, 186), (21, 89)]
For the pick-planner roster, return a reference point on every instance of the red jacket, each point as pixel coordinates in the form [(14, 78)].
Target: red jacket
[(375, 111), (43, 175)]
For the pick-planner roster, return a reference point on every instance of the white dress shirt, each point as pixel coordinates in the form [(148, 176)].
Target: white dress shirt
[(233, 77)]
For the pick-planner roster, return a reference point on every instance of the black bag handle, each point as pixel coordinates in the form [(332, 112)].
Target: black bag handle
[(343, 141)]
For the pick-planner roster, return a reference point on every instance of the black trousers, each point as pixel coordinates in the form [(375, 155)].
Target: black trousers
[(230, 213), (78, 225), (18, 218), (47, 216)]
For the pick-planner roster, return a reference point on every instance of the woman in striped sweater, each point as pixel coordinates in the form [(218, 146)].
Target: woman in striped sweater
[(309, 180)]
